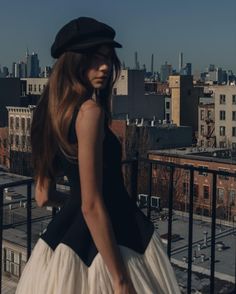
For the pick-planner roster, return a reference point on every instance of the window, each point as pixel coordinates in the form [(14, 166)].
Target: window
[(209, 114), (11, 139), (220, 195), (202, 114), (12, 262), (206, 192), (222, 115), (35, 87), (208, 130), (28, 142), (232, 194), (17, 123), (23, 123), (202, 130), (195, 190), (28, 123), (222, 144), (11, 122), (222, 177), (23, 139), (234, 115), (39, 88), (30, 88), (222, 99), (203, 173), (233, 99), (167, 105), (185, 188), (222, 131), (17, 140), (234, 146), (234, 131)]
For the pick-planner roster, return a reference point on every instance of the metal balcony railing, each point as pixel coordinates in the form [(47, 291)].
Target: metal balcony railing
[(171, 167), (191, 169)]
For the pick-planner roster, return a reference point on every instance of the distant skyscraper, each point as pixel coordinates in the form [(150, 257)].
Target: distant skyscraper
[(211, 67), (181, 60), (13, 69), (47, 71), (188, 69), (166, 71), (5, 71), (33, 69), (136, 62), (152, 64), (17, 70)]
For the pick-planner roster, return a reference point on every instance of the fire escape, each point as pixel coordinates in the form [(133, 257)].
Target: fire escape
[(210, 133)]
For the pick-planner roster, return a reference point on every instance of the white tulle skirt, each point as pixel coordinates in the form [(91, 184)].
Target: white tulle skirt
[(62, 271)]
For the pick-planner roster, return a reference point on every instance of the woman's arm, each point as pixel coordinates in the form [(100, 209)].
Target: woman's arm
[(90, 133)]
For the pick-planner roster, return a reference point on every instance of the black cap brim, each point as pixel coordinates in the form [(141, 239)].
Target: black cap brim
[(87, 45)]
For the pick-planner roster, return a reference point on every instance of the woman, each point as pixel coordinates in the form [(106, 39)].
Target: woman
[(99, 242)]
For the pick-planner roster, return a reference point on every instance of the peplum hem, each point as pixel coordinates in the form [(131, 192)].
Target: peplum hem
[(62, 271)]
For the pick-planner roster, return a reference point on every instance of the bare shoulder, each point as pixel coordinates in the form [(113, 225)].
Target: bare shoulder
[(90, 119), (90, 109), (90, 106)]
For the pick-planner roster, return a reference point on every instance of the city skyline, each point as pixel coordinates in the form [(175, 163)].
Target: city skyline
[(203, 31)]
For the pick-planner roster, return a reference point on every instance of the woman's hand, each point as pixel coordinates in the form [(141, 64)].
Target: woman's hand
[(124, 288)]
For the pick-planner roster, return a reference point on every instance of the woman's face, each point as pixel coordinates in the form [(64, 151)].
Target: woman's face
[(100, 67)]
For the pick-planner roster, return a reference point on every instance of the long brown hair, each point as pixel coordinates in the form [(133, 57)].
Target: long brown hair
[(66, 90)]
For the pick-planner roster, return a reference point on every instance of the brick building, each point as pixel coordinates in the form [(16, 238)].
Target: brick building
[(4, 151), (215, 159)]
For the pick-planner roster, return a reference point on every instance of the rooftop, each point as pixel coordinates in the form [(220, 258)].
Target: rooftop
[(199, 153)]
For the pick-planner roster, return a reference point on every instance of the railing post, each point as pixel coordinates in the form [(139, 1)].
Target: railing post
[(29, 220), (213, 232), (190, 231), (149, 190), (170, 207), (1, 234)]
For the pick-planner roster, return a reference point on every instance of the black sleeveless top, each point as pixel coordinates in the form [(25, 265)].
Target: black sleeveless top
[(131, 227)]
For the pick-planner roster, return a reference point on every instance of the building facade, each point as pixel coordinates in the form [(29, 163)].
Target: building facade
[(35, 86), (206, 125), (184, 101), (129, 98), (10, 92), (225, 116), (19, 121), (219, 160), (4, 150)]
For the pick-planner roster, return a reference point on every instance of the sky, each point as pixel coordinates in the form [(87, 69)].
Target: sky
[(204, 30)]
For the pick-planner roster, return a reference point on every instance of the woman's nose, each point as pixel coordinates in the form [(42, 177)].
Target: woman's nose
[(104, 66)]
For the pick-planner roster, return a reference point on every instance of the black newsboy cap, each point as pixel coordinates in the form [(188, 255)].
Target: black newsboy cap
[(82, 33)]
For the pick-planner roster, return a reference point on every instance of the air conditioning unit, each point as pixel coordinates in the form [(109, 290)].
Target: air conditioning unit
[(155, 202)]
